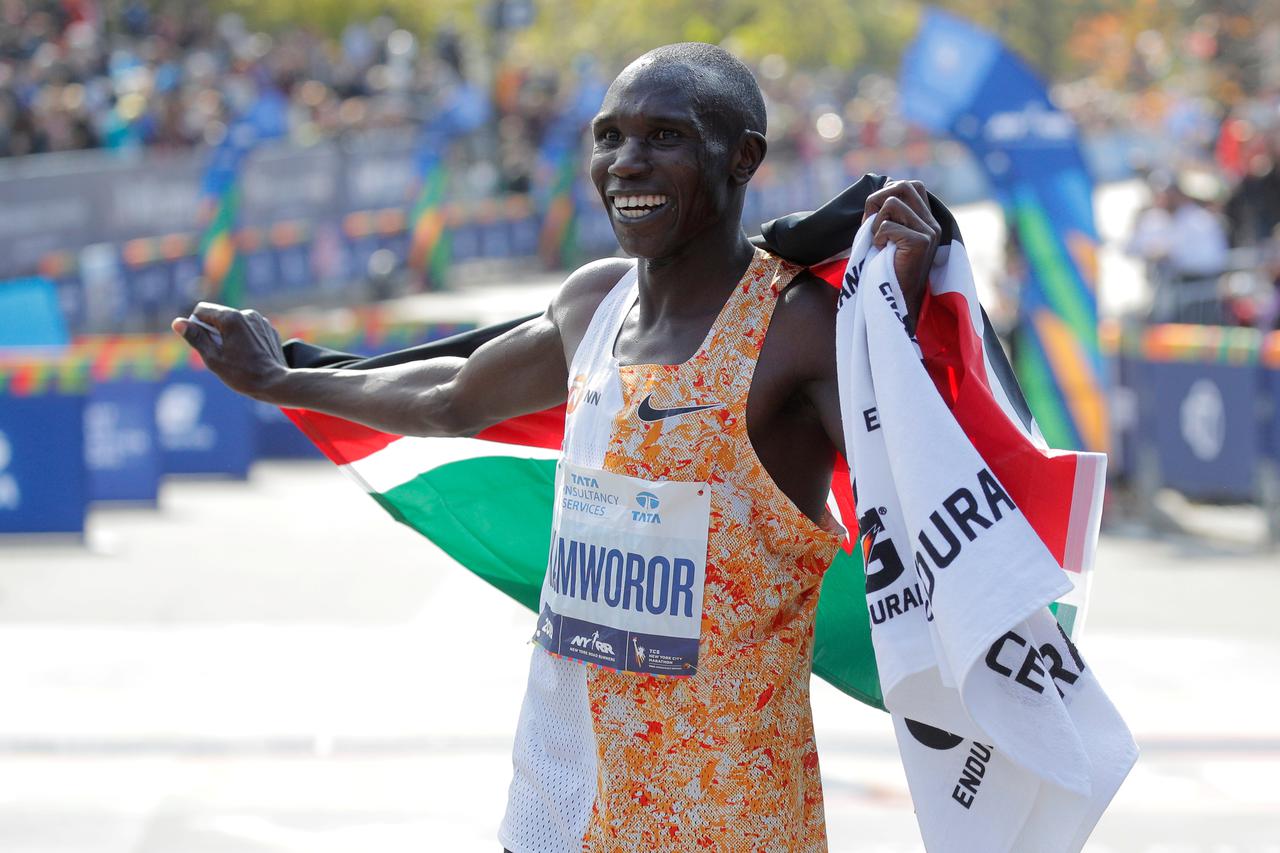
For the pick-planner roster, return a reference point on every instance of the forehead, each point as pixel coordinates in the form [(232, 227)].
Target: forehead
[(649, 90)]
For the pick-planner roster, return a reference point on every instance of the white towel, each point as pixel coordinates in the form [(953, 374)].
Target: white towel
[(1015, 746)]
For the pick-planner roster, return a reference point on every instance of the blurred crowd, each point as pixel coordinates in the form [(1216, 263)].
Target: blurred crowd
[(1210, 237), (173, 74), (169, 74)]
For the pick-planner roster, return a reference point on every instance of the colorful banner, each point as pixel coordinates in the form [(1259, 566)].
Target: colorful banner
[(465, 110), (560, 162), (220, 191), (960, 80)]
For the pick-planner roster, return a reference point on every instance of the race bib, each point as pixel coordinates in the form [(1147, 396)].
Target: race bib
[(626, 572)]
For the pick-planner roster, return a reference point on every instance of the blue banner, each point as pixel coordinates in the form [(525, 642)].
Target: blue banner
[(1202, 419), (1122, 378), (121, 448), (30, 314), (1271, 383), (960, 80), (204, 427), (42, 476)]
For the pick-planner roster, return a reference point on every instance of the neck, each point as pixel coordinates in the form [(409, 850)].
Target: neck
[(696, 279)]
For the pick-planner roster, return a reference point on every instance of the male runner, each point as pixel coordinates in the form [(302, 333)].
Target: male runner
[(702, 384)]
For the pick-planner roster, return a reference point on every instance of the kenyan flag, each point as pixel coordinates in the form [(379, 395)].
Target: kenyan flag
[(486, 501)]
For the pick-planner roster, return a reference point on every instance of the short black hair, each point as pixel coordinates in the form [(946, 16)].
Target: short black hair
[(725, 86)]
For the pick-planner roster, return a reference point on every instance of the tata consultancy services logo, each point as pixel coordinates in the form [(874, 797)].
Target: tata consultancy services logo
[(1203, 418), (10, 495), (648, 512)]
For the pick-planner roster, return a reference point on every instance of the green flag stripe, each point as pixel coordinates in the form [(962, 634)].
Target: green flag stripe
[(453, 506)]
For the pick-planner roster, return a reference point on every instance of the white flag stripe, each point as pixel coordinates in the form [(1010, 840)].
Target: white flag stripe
[(406, 458)]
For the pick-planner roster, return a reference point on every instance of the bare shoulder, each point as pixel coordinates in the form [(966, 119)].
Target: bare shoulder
[(803, 329), (578, 298), (590, 282)]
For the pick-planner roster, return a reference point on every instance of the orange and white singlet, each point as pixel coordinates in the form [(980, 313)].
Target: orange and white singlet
[(668, 701)]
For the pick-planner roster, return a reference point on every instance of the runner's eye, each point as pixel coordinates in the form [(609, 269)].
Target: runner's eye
[(609, 135), (667, 134)]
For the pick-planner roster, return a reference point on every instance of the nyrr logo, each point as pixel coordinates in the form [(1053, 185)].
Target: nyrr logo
[(10, 494), (547, 629), (593, 642), (648, 511)]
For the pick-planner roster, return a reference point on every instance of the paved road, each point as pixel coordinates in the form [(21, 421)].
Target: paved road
[(237, 673)]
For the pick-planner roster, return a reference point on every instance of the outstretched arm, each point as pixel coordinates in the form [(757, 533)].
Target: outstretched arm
[(518, 372), (521, 371)]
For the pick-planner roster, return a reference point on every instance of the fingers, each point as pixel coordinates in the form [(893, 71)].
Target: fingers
[(900, 234), (203, 330), (897, 221), (910, 193)]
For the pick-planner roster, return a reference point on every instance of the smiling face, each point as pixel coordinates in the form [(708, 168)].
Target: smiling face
[(663, 170)]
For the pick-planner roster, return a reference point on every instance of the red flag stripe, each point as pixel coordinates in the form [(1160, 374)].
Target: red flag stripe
[(345, 442), (1040, 483)]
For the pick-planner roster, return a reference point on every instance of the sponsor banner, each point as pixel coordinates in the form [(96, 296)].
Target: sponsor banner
[(626, 572), (1202, 420), (42, 475), (121, 448), (203, 426)]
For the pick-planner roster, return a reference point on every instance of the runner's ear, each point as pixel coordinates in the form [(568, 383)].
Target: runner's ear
[(748, 156)]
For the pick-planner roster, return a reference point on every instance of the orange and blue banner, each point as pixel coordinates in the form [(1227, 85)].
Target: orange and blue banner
[(430, 251), (960, 80)]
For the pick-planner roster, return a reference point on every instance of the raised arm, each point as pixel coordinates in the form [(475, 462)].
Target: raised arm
[(902, 215), (521, 371)]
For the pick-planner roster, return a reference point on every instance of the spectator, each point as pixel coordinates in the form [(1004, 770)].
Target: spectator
[(1185, 247), (1253, 210)]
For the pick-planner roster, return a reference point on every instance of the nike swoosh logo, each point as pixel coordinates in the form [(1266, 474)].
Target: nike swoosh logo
[(649, 414)]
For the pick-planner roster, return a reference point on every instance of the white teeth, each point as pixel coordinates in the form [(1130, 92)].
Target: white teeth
[(634, 206)]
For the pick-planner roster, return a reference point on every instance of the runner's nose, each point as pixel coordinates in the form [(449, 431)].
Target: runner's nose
[(630, 160)]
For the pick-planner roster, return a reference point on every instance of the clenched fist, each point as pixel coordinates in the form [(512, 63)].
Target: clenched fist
[(248, 359)]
